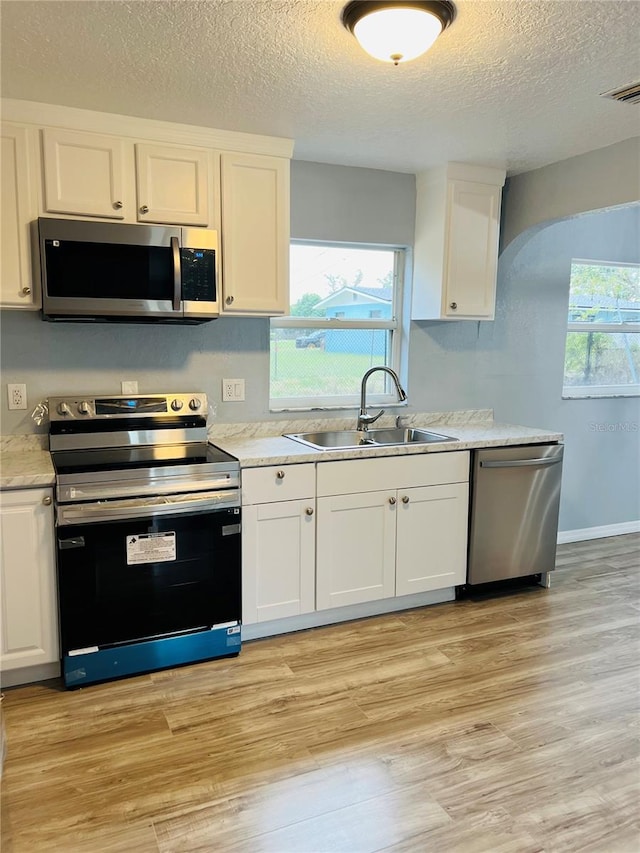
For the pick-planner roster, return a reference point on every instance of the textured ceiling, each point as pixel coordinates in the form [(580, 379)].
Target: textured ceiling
[(512, 83)]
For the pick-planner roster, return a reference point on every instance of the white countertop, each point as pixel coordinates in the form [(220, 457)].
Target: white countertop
[(255, 445), (24, 463)]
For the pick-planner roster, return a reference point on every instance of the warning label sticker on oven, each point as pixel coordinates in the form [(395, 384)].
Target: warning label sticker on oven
[(151, 548)]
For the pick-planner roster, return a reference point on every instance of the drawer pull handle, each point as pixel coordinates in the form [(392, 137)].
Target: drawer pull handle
[(392, 501), (280, 475), (46, 501), (405, 499), (309, 510)]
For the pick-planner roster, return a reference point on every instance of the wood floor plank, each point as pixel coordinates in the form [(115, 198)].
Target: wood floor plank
[(499, 725)]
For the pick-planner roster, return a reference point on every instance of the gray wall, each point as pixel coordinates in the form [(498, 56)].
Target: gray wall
[(596, 180), (513, 364)]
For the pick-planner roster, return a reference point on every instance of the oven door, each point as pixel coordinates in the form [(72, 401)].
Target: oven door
[(133, 572)]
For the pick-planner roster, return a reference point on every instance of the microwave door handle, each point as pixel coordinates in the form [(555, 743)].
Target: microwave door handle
[(177, 277)]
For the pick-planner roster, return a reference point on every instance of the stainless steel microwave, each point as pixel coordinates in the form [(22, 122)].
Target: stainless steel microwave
[(105, 271)]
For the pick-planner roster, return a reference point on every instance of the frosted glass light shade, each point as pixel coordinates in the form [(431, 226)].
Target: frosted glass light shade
[(397, 30), (397, 35)]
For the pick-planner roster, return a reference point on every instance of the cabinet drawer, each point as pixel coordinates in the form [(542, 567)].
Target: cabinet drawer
[(392, 472), (278, 483)]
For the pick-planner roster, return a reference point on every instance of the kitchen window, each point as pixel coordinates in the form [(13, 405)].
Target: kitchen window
[(344, 318), (602, 353)]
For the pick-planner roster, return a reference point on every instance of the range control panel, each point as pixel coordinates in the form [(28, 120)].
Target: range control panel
[(123, 406)]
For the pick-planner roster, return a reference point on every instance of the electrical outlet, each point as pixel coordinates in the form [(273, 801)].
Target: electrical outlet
[(17, 396), (129, 386), (232, 390)]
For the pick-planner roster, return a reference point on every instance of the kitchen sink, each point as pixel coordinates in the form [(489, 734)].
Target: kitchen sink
[(349, 438)]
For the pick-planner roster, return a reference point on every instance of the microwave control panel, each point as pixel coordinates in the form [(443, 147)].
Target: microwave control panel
[(198, 267)]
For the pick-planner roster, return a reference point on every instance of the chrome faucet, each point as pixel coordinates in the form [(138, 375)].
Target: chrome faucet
[(365, 419)]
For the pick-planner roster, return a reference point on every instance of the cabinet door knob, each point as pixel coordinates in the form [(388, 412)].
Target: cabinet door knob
[(229, 300), (405, 499), (392, 501), (144, 209), (118, 205), (453, 305), (280, 475), (46, 501), (26, 291), (309, 510)]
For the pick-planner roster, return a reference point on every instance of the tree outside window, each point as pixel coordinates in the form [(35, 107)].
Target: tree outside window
[(602, 354)]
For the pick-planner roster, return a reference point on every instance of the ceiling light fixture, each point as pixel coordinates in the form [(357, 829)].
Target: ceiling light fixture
[(397, 31)]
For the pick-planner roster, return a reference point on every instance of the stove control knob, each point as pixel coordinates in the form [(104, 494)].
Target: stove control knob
[(63, 409), (194, 404), (84, 408), (176, 405)]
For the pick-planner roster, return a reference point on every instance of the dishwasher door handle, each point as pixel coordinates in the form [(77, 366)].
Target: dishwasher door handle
[(522, 463)]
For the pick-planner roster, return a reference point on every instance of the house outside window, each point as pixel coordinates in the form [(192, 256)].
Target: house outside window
[(345, 318), (602, 353)]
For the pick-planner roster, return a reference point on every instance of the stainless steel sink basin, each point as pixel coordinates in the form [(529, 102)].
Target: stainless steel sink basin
[(349, 438)]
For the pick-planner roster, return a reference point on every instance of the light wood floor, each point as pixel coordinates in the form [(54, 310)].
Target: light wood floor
[(499, 725)]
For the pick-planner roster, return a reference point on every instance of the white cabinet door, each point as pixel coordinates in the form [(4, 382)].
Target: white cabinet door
[(84, 174), (431, 549), (278, 560), (255, 234), (18, 288), (172, 184), (356, 549), (471, 253), (456, 242), (28, 608)]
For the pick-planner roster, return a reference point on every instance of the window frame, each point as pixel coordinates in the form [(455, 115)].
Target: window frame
[(578, 392), (394, 325)]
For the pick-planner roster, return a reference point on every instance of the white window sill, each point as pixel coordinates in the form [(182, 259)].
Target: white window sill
[(599, 392)]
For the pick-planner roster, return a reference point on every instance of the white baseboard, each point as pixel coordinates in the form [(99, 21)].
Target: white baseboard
[(602, 532)]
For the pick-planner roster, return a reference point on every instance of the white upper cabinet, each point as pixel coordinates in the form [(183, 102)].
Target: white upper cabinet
[(19, 209), (84, 174), (64, 162), (255, 234), (456, 243), (172, 184)]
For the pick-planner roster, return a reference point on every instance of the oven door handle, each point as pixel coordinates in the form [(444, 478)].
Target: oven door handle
[(145, 507)]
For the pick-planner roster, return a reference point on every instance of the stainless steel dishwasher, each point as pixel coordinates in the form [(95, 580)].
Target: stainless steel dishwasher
[(514, 513)]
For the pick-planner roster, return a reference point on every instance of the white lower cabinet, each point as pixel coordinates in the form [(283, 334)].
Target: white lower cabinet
[(278, 542), (431, 538), (406, 534), (28, 608), (356, 549)]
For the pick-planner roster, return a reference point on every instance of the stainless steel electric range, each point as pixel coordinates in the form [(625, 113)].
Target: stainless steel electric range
[(148, 536)]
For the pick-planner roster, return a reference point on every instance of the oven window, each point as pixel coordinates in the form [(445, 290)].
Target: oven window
[(109, 271), (106, 599)]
